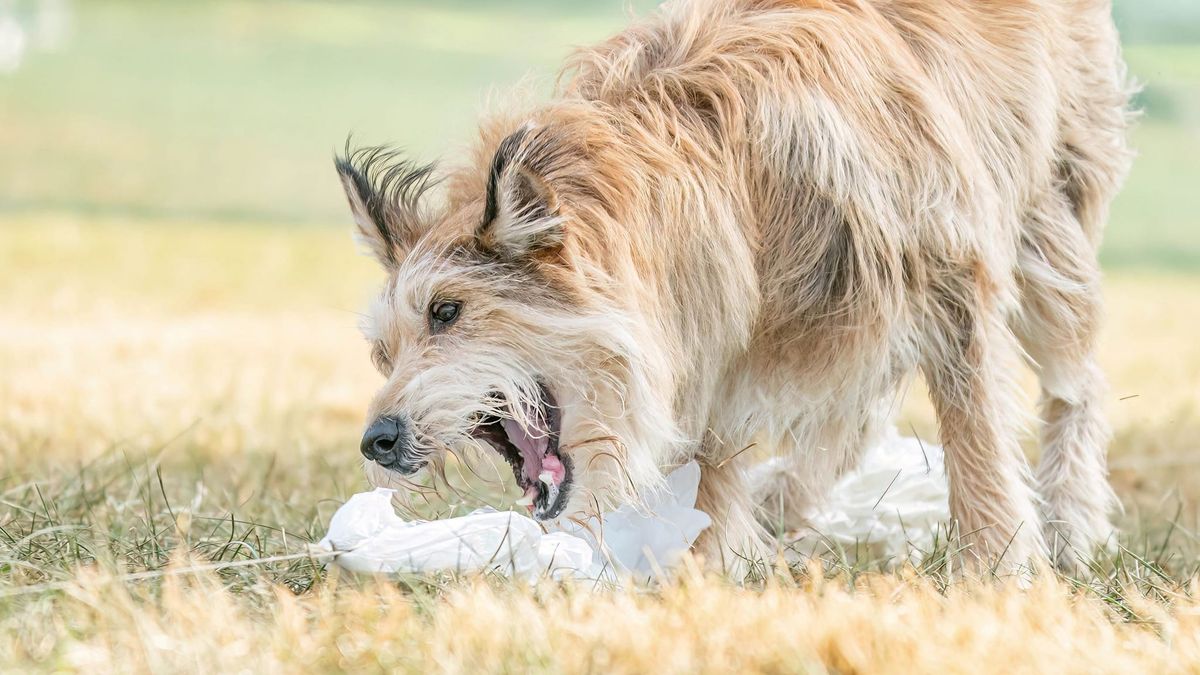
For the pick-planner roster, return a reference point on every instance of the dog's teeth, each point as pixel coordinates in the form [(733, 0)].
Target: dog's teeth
[(547, 478), (526, 500)]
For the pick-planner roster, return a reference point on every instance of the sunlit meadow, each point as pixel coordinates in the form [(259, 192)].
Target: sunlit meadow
[(182, 384)]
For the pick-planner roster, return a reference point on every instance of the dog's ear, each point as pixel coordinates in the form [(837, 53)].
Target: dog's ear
[(521, 214), (384, 192)]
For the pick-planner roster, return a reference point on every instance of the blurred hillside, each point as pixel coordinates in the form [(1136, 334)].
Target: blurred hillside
[(1160, 21), (230, 111)]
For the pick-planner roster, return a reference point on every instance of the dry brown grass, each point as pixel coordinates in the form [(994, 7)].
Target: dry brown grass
[(882, 624), (191, 392)]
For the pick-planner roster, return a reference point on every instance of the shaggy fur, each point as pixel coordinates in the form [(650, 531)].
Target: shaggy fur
[(746, 222)]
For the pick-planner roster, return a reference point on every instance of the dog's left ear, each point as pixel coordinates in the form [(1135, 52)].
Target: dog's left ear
[(521, 214)]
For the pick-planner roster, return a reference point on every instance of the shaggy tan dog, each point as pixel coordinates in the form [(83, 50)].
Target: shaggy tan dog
[(749, 222)]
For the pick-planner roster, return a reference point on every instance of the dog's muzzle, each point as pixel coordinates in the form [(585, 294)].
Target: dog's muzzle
[(389, 443)]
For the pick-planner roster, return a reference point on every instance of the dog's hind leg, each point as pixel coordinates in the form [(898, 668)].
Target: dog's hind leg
[(1061, 299), (967, 361), (1060, 311)]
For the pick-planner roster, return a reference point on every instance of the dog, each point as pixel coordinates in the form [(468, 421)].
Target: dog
[(748, 223)]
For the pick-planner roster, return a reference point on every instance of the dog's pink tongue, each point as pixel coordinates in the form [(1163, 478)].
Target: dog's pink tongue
[(555, 466), (532, 447)]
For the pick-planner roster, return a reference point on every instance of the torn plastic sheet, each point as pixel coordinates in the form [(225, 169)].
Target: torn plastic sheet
[(892, 507), (639, 542), (892, 503)]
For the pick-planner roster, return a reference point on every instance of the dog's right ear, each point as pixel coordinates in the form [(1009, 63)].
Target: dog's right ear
[(384, 192), (521, 213)]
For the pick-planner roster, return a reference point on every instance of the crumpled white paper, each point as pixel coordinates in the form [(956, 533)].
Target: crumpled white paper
[(891, 506)]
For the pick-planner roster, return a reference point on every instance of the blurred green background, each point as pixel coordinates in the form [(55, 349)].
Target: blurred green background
[(230, 111)]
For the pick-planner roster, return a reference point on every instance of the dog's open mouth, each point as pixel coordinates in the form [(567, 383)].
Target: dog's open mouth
[(542, 473)]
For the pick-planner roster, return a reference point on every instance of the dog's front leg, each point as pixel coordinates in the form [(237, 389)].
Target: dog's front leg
[(735, 542)]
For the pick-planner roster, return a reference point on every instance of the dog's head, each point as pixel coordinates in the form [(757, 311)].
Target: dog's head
[(497, 327)]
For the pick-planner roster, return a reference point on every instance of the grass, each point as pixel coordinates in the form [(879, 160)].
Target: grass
[(190, 393), (183, 385)]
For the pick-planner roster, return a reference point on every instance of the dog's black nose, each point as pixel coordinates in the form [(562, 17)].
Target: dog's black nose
[(389, 443)]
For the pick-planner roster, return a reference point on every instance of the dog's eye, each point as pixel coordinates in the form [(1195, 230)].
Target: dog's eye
[(442, 313)]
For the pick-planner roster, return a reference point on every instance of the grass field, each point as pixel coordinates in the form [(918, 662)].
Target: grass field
[(182, 382), (193, 393)]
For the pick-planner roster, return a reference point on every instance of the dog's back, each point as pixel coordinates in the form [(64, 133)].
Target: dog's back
[(1036, 88)]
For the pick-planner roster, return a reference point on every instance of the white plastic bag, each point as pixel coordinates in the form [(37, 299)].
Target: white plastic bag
[(374, 539), (646, 541), (890, 507), (371, 538)]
